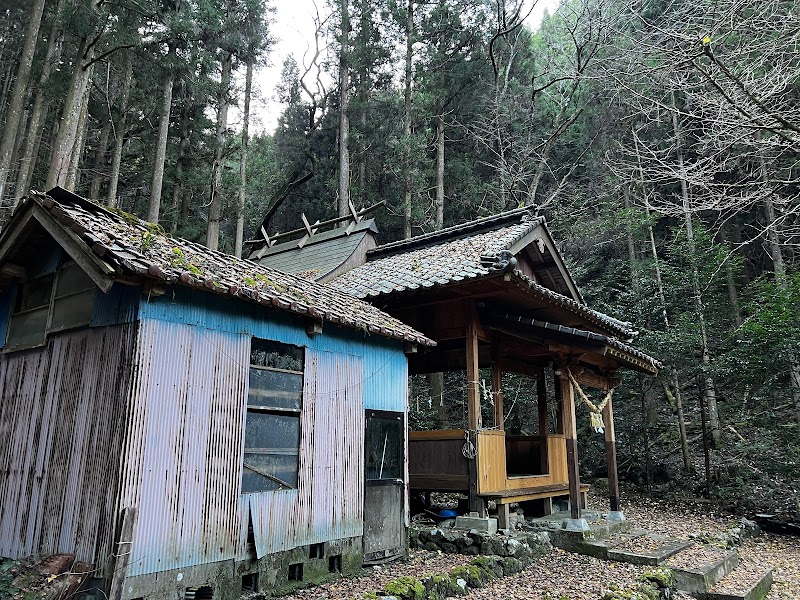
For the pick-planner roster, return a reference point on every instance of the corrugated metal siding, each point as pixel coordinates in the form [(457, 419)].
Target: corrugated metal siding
[(185, 446), (62, 425), (385, 365), (119, 305), (329, 501)]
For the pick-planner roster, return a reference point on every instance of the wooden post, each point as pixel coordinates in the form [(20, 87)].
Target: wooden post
[(122, 554), (473, 377), (559, 406), (544, 427), (497, 393), (476, 504), (611, 456), (571, 435)]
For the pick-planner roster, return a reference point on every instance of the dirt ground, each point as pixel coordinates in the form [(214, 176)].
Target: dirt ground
[(560, 574)]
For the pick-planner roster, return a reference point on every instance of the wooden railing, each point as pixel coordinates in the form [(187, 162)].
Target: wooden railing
[(436, 462)]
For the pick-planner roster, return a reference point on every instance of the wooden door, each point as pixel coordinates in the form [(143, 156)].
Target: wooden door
[(384, 488)]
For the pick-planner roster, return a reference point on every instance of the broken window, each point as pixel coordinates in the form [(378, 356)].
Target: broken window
[(48, 304), (383, 447), (272, 429)]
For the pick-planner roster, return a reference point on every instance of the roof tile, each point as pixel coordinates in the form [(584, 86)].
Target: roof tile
[(133, 245)]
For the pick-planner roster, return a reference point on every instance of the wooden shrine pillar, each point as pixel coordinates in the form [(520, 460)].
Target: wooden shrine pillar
[(559, 406), (571, 438), (544, 426), (476, 504), (611, 456), (497, 392)]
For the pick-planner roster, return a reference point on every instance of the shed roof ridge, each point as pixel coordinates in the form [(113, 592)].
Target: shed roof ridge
[(482, 225)]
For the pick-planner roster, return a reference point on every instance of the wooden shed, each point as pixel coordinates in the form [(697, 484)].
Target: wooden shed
[(495, 294), (187, 423)]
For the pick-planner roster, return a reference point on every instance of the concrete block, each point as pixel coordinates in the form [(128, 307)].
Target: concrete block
[(575, 525), (615, 515), (483, 524), (703, 577)]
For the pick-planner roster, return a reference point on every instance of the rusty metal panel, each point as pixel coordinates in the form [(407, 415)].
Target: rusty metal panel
[(329, 501), (62, 423), (185, 446)]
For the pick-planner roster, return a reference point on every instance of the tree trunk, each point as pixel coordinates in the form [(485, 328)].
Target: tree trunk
[(344, 106), (408, 181), (687, 459), (100, 160), (730, 281), (154, 205), (179, 199), (239, 240), (215, 206), (439, 170), (40, 108), (709, 387), (14, 111), (64, 143), (120, 130), (73, 175)]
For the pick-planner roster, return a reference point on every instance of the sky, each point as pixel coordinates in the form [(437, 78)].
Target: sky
[(293, 28)]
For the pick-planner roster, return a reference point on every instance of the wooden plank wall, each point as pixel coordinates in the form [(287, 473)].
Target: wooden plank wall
[(62, 426), (492, 464)]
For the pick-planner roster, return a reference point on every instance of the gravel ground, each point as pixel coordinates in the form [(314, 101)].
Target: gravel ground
[(578, 577)]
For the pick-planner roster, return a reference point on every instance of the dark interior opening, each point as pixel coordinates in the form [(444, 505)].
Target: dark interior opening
[(335, 564), (316, 550), (296, 572), (250, 582)]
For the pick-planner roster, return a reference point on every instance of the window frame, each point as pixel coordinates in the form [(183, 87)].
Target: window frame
[(279, 411), (54, 297)]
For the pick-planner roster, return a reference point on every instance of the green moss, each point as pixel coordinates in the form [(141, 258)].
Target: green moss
[(469, 573), (439, 587), (660, 576), (406, 587), (490, 566), (249, 281)]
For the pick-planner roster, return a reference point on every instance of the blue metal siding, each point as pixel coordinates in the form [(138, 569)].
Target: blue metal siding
[(385, 365), (191, 381), (120, 305)]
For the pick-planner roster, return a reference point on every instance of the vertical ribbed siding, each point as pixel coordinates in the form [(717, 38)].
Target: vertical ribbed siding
[(62, 423), (329, 501), (185, 446)]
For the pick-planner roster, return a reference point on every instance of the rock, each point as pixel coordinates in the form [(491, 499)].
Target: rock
[(449, 548)]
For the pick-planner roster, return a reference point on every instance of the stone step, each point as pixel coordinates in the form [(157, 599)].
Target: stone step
[(648, 549), (745, 582), (698, 568)]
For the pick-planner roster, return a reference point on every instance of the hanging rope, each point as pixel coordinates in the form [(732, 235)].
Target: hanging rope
[(595, 411)]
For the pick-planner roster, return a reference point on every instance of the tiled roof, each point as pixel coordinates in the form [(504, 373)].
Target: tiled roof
[(439, 264), (470, 251), (634, 354), (133, 246)]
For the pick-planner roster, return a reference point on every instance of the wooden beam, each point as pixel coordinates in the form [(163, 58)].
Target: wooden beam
[(541, 400), (97, 269), (571, 439), (476, 504), (497, 391), (473, 374), (587, 377), (611, 456)]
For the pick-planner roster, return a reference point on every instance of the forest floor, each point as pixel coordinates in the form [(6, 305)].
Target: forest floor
[(560, 574)]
